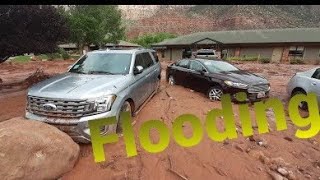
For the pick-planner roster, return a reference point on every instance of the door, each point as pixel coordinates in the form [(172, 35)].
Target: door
[(277, 54), (140, 85), (197, 77), (315, 84), (152, 72), (181, 72)]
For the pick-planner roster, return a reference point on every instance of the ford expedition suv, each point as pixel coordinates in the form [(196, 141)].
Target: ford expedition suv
[(100, 84)]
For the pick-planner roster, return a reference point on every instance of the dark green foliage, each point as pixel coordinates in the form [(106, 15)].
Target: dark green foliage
[(149, 39), (30, 29)]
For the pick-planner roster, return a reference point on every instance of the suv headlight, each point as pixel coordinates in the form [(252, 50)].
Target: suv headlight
[(104, 104), (237, 85)]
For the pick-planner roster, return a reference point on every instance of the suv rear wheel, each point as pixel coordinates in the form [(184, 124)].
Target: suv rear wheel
[(215, 93)]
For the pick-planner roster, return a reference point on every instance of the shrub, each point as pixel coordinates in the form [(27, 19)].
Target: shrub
[(53, 56), (297, 61), (264, 60), (247, 58), (64, 54)]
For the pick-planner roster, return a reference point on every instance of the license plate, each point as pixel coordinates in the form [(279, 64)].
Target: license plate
[(261, 95)]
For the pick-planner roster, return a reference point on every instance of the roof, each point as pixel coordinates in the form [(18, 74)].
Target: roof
[(123, 44), (124, 51), (287, 35)]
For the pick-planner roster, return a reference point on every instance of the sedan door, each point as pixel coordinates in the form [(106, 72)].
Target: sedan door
[(181, 72), (197, 77), (315, 84)]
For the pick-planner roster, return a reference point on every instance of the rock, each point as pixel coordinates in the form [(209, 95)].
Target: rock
[(283, 171), (240, 147), (35, 150), (276, 176), (291, 176), (288, 139)]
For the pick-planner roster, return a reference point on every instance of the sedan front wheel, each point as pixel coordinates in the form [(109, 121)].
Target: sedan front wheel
[(215, 93)]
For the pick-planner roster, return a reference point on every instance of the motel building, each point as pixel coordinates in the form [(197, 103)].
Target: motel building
[(278, 45)]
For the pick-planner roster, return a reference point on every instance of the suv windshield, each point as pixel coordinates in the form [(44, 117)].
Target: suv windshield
[(219, 66), (103, 63)]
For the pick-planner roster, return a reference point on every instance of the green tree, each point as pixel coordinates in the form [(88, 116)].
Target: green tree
[(148, 39), (95, 24), (30, 29)]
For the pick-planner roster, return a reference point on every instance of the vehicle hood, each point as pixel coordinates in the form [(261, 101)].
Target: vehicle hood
[(240, 76), (79, 86)]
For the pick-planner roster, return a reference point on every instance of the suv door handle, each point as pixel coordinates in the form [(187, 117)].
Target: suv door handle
[(313, 83)]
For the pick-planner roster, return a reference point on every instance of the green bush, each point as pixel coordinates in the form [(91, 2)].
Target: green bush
[(264, 60), (247, 58), (53, 56), (64, 54), (297, 61)]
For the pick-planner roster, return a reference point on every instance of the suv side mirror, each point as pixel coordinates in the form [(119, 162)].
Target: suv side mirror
[(137, 70)]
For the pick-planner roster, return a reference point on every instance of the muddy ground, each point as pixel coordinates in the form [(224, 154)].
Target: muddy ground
[(259, 157)]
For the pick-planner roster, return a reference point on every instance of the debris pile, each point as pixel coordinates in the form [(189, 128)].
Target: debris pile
[(36, 77)]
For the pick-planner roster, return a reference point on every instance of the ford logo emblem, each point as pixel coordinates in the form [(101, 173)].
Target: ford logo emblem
[(49, 107)]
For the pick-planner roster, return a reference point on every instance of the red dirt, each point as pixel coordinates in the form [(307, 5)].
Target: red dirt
[(241, 158)]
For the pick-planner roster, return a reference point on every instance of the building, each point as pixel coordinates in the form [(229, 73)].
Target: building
[(121, 44), (278, 45)]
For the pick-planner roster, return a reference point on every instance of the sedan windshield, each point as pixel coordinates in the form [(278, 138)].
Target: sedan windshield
[(219, 66), (103, 63)]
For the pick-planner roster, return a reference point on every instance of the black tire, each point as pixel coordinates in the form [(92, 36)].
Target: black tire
[(214, 93), (303, 105), (126, 106)]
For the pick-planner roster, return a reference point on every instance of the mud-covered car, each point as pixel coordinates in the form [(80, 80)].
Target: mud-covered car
[(305, 82), (100, 84), (217, 77)]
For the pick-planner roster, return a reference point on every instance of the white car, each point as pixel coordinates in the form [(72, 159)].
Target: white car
[(206, 54), (305, 82)]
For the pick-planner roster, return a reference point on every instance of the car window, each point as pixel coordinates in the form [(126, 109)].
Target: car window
[(194, 65), (155, 56), (147, 59), (183, 63), (139, 61), (103, 63), (316, 74), (219, 66)]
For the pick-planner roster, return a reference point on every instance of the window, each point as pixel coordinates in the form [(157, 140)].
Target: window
[(219, 66), (296, 51), (316, 74), (155, 55), (103, 63), (183, 63), (139, 61), (194, 65), (147, 59)]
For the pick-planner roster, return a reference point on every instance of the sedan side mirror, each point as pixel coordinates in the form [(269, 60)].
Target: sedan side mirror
[(202, 71), (137, 70)]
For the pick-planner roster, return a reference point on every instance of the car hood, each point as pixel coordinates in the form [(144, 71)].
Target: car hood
[(79, 86), (240, 76)]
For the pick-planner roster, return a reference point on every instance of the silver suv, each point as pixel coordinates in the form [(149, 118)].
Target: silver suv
[(100, 84)]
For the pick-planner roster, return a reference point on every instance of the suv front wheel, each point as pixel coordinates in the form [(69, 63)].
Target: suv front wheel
[(126, 107)]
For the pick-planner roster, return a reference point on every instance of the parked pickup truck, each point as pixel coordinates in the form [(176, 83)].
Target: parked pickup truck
[(100, 84)]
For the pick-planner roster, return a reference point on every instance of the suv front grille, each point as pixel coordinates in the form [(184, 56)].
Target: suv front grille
[(59, 108), (258, 88)]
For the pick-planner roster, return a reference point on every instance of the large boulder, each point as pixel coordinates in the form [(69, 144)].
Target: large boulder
[(35, 150)]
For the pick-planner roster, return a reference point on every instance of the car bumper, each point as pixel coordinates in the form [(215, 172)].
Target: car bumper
[(77, 128), (251, 97)]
